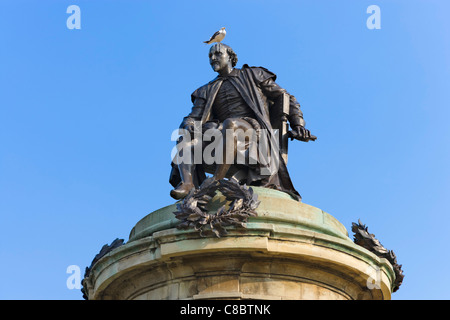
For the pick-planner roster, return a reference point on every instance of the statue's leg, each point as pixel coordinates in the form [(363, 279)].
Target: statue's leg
[(186, 168), (230, 144)]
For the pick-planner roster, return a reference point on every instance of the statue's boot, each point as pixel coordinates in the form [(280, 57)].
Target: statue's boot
[(181, 191)]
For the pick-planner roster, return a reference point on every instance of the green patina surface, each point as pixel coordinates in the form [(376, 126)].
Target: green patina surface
[(276, 209)]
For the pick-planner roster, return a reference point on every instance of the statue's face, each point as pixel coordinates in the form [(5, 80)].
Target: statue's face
[(219, 58)]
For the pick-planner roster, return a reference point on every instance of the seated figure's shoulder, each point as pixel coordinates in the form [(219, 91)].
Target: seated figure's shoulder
[(200, 92), (260, 73)]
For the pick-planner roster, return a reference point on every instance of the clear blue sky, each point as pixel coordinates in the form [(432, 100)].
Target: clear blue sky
[(86, 118)]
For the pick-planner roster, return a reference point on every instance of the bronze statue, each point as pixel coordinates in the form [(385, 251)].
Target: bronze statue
[(239, 100)]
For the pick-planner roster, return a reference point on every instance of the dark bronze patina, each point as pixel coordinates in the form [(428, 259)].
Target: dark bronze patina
[(240, 99), (367, 240)]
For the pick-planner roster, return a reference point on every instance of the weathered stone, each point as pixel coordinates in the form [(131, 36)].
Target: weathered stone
[(291, 250)]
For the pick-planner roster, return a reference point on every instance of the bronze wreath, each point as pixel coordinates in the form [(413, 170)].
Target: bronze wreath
[(193, 213)]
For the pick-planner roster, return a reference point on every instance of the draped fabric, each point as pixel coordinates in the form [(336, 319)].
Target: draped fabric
[(257, 86)]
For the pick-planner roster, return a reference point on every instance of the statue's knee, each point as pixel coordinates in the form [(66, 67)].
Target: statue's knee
[(183, 143), (230, 124)]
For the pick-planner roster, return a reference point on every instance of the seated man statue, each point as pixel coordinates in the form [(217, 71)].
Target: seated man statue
[(236, 100)]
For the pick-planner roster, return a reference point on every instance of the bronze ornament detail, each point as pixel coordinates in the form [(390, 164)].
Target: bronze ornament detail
[(193, 213), (367, 240)]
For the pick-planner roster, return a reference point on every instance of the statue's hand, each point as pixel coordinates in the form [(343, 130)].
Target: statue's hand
[(301, 133), (189, 127)]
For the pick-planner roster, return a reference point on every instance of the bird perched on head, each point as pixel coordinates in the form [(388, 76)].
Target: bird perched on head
[(217, 37)]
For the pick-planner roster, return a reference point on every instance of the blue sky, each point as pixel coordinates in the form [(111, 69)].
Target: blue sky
[(86, 118)]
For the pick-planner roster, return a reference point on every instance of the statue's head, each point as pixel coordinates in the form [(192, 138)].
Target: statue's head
[(222, 56)]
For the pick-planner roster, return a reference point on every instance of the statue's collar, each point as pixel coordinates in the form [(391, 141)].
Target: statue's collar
[(233, 73)]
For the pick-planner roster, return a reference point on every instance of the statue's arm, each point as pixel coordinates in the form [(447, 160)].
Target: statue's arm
[(273, 91), (195, 114)]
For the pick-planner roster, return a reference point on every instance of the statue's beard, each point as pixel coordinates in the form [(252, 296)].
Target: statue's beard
[(216, 66)]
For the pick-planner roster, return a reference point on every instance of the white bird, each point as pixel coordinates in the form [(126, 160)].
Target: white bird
[(217, 37)]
